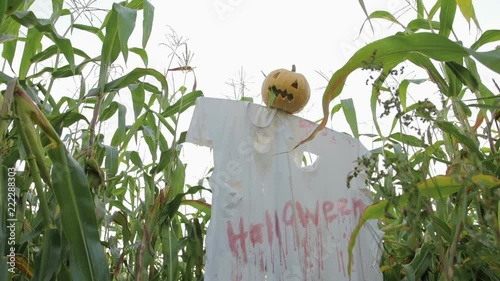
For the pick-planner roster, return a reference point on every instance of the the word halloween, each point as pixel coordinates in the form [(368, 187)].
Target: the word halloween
[(275, 221)]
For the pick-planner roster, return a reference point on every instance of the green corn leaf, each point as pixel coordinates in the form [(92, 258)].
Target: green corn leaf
[(468, 142), (164, 122), (464, 75), (350, 116), (9, 51), (135, 4), (388, 52), (63, 71), (374, 211), (410, 273), (91, 29), (376, 92), (422, 260), (490, 59), (437, 187), (199, 205), (455, 85), (134, 157), (122, 112), (446, 17), (434, 74), (175, 202), (108, 111), (170, 248), (9, 27), (142, 53), (403, 89), (29, 20), (3, 10), (57, 6), (112, 162), (362, 4), (126, 23), (498, 215), (178, 175), (88, 262), (33, 42), (71, 189), (110, 48), (15, 5), (383, 15), (165, 158), (272, 97), (442, 228), (420, 8), (132, 131), (181, 105), (121, 219), (6, 38), (335, 109), (407, 139), (487, 37), (418, 24), (147, 23), (45, 54), (51, 51), (485, 106), (138, 98), (150, 139), (466, 8), (132, 78), (49, 258)]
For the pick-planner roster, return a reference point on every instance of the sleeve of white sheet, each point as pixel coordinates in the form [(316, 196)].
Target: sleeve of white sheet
[(200, 130), (370, 233)]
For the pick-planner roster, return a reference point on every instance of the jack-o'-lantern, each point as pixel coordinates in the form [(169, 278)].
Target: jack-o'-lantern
[(286, 90)]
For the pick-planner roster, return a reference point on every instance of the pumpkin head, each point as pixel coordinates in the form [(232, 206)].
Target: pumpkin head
[(286, 90)]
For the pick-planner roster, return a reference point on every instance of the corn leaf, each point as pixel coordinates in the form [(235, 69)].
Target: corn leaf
[(433, 188), (350, 116), (28, 19), (446, 17), (487, 37), (466, 8), (87, 259), (71, 189), (182, 104), (131, 78), (33, 40), (390, 51), (49, 258), (138, 98), (126, 23), (464, 75), (147, 23)]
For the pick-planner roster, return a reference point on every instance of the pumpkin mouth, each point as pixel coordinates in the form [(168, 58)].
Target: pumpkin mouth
[(282, 93)]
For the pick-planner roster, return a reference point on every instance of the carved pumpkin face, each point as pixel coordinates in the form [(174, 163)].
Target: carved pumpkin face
[(286, 90)]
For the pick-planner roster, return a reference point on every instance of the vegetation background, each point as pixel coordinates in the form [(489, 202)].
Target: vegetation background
[(90, 206)]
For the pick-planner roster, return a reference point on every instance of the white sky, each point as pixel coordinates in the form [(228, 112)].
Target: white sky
[(260, 35)]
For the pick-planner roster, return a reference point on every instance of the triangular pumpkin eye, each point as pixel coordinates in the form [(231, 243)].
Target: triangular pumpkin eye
[(285, 90)]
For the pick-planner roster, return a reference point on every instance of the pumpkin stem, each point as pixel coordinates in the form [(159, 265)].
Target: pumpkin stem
[(293, 67)]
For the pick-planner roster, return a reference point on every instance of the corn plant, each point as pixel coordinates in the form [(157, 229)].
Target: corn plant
[(97, 197), (436, 174)]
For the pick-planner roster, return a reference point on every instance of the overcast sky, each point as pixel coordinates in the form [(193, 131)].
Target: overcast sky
[(262, 35)]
